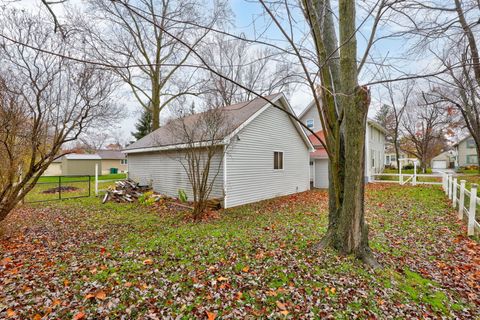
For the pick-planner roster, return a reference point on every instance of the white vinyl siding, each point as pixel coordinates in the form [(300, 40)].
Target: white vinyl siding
[(321, 173), (375, 151), (251, 176), (164, 171), (466, 154)]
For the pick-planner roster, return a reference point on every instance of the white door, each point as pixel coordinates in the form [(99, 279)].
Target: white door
[(439, 164), (321, 173)]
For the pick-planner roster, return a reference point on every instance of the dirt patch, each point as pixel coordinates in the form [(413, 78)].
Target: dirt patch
[(60, 189)]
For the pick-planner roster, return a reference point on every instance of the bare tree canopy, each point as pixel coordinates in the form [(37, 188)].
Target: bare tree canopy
[(121, 37), (47, 101)]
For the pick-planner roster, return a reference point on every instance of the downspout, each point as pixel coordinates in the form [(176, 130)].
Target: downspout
[(225, 205)]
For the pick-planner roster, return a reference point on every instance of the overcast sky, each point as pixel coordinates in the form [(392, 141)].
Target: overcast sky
[(245, 12)]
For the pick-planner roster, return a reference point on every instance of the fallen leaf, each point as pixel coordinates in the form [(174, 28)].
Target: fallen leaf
[(211, 315), (5, 261), (89, 296), (11, 313), (37, 317), (101, 295), (148, 261), (222, 279), (56, 302), (284, 312), (246, 269), (280, 305), (79, 316)]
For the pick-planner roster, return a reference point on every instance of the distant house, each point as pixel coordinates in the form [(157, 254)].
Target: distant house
[(266, 156), (75, 164), (465, 152), (444, 160), (374, 148), (54, 169), (391, 157), (113, 160)]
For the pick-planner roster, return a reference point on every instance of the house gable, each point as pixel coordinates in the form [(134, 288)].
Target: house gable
[(250, 159)]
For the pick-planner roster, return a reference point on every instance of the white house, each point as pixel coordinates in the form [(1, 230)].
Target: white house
[(266, 155), (374, 148), (465, 152)]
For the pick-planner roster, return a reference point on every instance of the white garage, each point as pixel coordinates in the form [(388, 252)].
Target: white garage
[(439, 164), (441, 161)]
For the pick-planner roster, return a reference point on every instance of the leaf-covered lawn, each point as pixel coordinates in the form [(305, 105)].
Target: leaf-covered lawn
[(80, 259)]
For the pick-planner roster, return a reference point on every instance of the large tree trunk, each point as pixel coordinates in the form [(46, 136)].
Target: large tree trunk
[(155, 108), (347, 231)]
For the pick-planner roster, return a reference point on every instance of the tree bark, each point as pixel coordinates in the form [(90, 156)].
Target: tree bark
[(347, 231)]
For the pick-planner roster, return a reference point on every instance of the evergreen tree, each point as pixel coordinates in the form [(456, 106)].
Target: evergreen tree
[(144, 125)]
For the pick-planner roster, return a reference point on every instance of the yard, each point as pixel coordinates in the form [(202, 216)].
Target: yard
[(80, 259), (70, 186)]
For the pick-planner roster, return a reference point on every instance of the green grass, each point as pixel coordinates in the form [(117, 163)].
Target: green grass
[(82, 184), (118, 176), (241, 264)]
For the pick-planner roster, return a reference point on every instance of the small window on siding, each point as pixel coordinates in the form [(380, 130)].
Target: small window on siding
[(123, 161), (472, 159), (310, 123), (470, 143), (277, 160)]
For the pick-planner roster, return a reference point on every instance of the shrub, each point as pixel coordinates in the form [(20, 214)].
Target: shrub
[(147, 199), (182, 196)]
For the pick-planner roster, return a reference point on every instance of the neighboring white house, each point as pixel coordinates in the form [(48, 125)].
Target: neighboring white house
[(465, 152), (266, 156), (374, 148)]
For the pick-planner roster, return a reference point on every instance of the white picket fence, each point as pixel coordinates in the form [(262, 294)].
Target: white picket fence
[(413, 179), (458, 193)]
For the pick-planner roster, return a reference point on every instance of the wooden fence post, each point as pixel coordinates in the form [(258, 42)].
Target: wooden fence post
[(472, 211), (445, 182), (96, 179), (454, 192), (461, 200), (450, 186)]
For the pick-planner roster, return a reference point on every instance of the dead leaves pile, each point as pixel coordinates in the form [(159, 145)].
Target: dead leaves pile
[(58, 265)]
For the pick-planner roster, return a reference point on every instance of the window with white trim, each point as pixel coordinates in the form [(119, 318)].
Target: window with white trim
[(278, 160), (123, 161), (309, 123), (472, 159), (471, 143)]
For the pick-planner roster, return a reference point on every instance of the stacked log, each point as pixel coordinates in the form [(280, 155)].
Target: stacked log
[(125, 191)]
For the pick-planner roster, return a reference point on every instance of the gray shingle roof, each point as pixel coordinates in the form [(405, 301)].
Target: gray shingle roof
[(236, 114), (111, 154), (81, 156)]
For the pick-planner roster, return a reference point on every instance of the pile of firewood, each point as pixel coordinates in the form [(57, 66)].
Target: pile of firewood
[(125, 191)]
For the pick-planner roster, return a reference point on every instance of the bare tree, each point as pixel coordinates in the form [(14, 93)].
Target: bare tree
[(256, 69), (341, 101), (46, 101), (125, 39), (201, 156), (448, 31), (425, 127), (398, 97)]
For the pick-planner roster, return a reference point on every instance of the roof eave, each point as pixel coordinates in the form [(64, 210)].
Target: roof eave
[(173, 147)]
